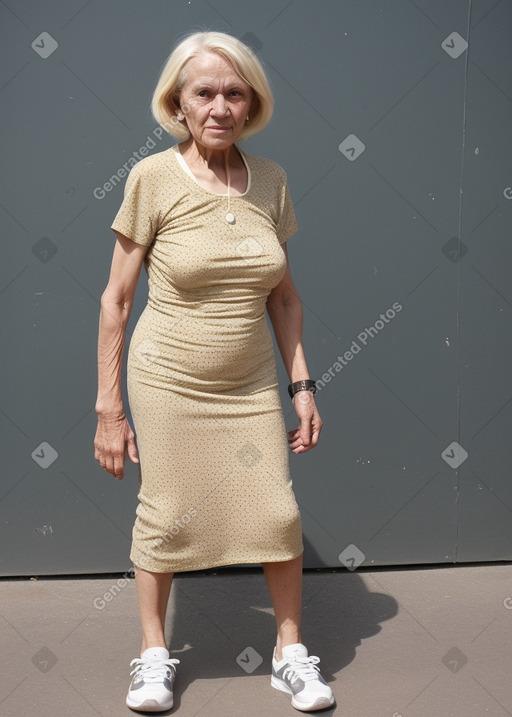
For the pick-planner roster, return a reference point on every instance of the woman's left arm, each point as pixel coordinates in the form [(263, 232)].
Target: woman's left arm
[(285, 311)]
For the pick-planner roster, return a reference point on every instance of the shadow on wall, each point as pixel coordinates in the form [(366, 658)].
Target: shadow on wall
[(222, 624)]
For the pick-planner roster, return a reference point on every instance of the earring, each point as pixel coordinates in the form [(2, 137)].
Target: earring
[(180, 116), (247, 118)]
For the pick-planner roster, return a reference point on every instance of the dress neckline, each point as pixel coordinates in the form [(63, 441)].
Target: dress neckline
[(181, 161)]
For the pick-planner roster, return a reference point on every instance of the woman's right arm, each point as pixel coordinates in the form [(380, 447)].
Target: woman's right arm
[(114, 434)]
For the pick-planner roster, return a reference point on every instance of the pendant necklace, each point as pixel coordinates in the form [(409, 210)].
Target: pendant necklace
[(230, 217)]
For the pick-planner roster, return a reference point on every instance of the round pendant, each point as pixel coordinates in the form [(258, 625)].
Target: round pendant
[(230, 218)]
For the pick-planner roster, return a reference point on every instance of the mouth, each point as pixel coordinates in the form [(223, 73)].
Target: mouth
[(216, 128)]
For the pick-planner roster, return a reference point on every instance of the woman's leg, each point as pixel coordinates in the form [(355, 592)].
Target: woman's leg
[(284, 581), (153, 591)]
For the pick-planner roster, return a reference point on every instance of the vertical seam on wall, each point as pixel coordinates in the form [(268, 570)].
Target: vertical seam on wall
[(459, 233)]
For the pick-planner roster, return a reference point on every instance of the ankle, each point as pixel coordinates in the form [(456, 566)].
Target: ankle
[(284, 642), (153, 643)]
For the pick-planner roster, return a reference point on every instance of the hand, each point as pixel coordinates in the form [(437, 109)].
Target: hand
[(113, 436), (305, 437)]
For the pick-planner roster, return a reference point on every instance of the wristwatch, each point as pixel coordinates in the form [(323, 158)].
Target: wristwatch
[(305, 385)]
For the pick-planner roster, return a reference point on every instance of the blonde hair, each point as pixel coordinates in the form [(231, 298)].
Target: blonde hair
[(165, 103)]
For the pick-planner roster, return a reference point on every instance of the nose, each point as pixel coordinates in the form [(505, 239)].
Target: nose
[(219, 105)]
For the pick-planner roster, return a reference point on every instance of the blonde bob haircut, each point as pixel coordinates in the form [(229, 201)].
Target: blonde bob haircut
[(165, 103)]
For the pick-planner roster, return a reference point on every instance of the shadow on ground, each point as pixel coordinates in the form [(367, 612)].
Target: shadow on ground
[(223, 628)]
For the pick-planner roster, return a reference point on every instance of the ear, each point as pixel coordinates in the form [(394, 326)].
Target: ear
[(173, 103)]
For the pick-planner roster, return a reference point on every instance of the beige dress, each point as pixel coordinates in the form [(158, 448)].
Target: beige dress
[(214, 481)]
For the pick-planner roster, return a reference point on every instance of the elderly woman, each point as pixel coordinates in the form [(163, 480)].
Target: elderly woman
[(210, 223)]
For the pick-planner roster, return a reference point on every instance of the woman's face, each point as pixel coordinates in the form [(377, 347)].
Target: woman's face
[(215, 101)]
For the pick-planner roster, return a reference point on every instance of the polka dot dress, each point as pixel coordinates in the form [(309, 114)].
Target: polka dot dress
[(214, 481)]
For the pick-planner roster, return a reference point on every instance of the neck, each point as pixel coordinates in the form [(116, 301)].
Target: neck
[(198, 154)]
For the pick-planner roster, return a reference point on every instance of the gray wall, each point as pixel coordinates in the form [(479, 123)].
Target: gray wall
[(396, 140)]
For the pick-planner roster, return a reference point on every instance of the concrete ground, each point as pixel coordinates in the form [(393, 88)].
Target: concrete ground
[(415, 642)]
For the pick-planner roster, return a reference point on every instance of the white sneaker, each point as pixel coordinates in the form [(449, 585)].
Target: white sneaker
[(151, 686), (298, 675)]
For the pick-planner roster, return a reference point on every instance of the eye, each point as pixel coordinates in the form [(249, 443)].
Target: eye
[(202, 93)]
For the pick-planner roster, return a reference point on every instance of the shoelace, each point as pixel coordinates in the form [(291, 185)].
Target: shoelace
[(303, 667), (151, 670)]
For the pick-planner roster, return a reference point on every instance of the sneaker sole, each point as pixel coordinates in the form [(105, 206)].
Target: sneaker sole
[(321, 703), (149, 705)]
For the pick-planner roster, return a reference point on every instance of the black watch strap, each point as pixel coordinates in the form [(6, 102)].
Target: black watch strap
[(305, 385)]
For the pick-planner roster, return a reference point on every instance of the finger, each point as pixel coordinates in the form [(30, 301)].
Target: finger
[(133, 454), (315, 437), (118, 468), (300, 449), (295, 441), (303, 449), (109, 465)]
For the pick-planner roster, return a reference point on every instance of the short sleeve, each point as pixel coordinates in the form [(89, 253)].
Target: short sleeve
[(287, 224), (137, 217)]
